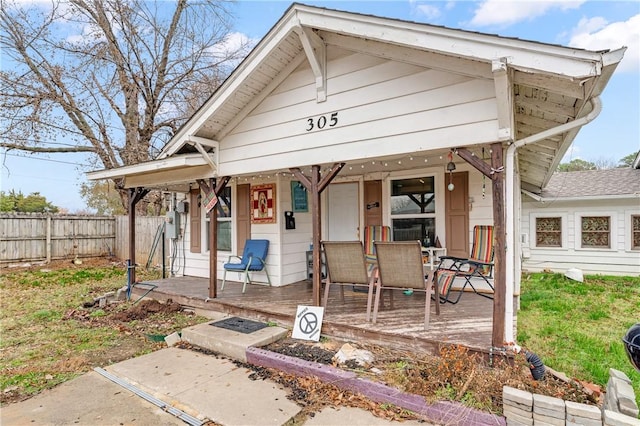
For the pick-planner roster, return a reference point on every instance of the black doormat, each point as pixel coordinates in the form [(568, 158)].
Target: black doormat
[(240, 325)]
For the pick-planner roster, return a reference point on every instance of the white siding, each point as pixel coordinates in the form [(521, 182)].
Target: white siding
[(618, 260), (383, 108)]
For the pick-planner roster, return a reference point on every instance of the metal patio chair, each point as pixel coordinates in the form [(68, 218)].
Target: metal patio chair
[(478, 265), (400, 267), (346, 266), (252, 260)]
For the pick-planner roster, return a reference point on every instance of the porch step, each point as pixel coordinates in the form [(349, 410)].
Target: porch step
[(231, 343)]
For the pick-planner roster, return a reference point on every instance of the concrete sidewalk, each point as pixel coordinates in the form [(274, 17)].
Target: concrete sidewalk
[(205, 388)]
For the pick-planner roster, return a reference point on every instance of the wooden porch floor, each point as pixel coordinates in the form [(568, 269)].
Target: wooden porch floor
[(468, 323)]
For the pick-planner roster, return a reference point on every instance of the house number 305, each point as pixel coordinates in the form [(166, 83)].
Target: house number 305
[(322, 122)]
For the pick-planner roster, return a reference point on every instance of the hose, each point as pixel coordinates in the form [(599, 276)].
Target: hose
[(535, 365)]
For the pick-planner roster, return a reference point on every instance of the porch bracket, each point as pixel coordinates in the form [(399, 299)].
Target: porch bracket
[(316, 52), (502, 80), (315, 186), (477, 163), (198, 143)]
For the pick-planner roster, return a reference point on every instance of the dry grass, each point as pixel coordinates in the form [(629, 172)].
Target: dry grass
[(48, 337)]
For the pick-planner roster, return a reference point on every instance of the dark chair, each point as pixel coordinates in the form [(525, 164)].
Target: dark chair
[(478, 265), (252, 260)]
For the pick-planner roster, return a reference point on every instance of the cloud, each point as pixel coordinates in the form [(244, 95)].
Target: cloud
[(428, 11), (504, 13), (234, 47), (598, 34)]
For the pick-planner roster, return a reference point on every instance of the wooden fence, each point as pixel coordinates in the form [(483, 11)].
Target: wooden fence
[(45, 237), (146, 229)]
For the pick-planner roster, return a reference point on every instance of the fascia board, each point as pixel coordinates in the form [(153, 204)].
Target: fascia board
[(526, 55), (189, 160), (259, 53)]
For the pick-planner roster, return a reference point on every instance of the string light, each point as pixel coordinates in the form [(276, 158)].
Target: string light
[(380, 163)]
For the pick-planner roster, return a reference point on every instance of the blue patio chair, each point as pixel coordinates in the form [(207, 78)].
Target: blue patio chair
[(252, 260)]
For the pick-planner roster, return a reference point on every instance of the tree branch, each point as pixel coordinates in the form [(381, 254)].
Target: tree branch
[(47, 149)]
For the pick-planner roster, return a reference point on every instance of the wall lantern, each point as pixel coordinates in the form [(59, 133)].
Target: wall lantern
[(451, 166)]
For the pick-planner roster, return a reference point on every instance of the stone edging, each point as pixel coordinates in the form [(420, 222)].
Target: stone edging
[(445, 412)]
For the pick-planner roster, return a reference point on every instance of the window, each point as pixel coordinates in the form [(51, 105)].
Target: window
[(413, 208), (224, 221), (596, 231), (635, 232), (548, 232)]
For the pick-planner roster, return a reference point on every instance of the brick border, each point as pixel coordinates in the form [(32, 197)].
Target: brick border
[(449, 413)]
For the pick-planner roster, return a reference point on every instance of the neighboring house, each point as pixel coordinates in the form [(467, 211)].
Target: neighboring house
[(347, 120), (588, 220)]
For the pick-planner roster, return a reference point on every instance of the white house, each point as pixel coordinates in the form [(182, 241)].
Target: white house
[(588, 220), (365, 113)]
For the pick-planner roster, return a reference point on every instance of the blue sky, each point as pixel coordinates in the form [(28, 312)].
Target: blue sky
[(592, 25)]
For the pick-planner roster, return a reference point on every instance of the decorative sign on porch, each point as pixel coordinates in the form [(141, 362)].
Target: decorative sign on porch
[(298, 197), (210, 201), (308, 323), (263, 198)]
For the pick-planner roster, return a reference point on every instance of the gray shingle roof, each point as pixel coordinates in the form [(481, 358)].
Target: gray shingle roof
[(593, 183)]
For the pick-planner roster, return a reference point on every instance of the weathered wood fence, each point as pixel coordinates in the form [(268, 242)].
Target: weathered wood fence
[(46, 237), (146, 229)]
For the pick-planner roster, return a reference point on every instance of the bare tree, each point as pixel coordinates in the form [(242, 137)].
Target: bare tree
[(113, 78)]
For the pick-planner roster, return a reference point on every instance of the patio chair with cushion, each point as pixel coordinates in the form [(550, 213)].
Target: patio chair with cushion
[(346, 266), (478, 265), (374, 233), (252, 260), (400, 267)]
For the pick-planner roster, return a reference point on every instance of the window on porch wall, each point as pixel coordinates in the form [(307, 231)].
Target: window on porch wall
[(413, 209), (224, 222), (635, 232), (596, 232)]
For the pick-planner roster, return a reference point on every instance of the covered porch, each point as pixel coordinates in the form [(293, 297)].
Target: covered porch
[(468, 323), (331, 99)]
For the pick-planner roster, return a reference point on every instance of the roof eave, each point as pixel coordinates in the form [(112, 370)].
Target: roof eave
[(188, 160)]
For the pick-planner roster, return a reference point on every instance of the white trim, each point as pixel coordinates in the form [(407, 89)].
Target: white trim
[(564, 230), (613, 227), (628, 230), (178, 161), (574, 63)]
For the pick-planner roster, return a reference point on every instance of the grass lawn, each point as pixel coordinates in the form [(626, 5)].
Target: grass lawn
[(577, 328), (46, 337)]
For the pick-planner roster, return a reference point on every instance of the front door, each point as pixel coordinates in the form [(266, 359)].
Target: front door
[(243, 216), (343, 215), (457, 215)]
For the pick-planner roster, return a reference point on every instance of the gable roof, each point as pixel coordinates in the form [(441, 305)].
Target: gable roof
[(541, 85), (610, 183)]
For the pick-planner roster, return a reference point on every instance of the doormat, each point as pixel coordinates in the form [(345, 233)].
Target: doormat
[(240, 325)]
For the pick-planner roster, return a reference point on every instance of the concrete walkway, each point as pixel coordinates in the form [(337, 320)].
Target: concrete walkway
[(204, 388)]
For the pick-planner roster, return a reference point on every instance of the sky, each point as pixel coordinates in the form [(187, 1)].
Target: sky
[(593, 25)]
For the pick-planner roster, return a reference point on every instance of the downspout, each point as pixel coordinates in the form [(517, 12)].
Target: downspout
[(510, 225)]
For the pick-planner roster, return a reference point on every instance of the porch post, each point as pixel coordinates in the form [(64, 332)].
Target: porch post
[(496, 174), (135, 195), (213, 247), (500, 270), (316, 231), (315, 186), (131, 273), (213, 231)]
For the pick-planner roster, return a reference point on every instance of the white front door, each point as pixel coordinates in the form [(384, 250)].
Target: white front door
[(343, 215)]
